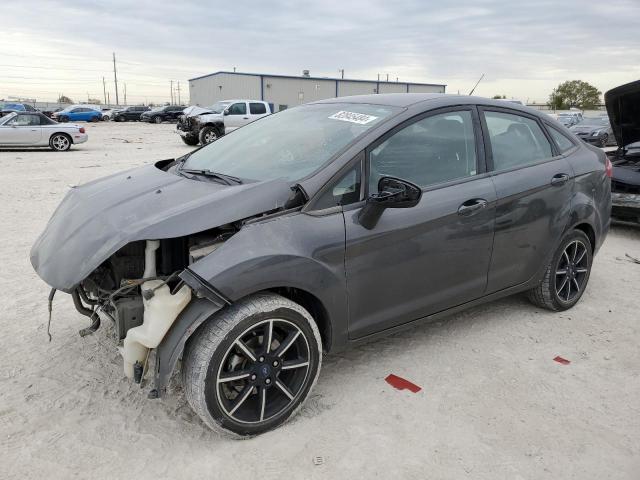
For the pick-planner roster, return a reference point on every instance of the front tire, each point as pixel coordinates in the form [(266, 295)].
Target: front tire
[(63, 119), (209, 134), (60, 142), (248, 369), (157, 119), (604, 141), (567, 275), (105, 118)]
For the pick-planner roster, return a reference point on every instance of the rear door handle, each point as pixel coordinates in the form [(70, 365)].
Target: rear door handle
[(560, 179), (471, 207)]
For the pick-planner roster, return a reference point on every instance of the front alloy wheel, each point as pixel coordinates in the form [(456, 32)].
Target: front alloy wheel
[(250, 367)]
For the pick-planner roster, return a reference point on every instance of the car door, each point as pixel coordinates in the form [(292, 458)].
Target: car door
[(421, 260), (236, 117), (534, 187), (23, 129), (257, 110)]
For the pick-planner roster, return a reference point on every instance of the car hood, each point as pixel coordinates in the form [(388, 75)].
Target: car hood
[(623, 106), (95, 220), (587, 128), (194, 111)]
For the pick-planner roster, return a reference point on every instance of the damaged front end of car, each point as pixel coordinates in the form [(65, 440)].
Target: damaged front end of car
[(623, 107), (122, 247)]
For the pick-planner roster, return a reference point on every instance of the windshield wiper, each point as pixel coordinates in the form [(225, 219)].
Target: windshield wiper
[(227, 179)]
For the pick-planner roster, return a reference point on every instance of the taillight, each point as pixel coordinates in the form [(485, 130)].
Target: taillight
[(82, 131), (608, 168)]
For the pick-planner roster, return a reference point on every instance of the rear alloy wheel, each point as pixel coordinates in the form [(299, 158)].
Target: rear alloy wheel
[(249, 368), (105, 118), (567, 275), (158, 119), (208, 135), (60, 142)]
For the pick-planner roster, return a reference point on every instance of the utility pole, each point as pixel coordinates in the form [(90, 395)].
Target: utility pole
[(341, 72), (178, 92), (104, 90), (108, 99), (387, 77), (171, 102), (125, 94), (115, 77)]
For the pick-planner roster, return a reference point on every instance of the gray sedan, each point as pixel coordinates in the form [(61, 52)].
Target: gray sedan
[(35, 129), (319, 227)]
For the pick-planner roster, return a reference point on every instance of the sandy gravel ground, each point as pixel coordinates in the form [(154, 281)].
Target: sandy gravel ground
[(494, 405)]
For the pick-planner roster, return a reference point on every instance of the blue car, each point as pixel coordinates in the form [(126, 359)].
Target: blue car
[(75, 113)]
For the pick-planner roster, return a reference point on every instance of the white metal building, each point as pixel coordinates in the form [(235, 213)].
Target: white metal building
[(287, 91)]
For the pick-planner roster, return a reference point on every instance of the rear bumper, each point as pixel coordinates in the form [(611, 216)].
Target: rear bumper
[(625, 207), (597, 140), (80, 138)]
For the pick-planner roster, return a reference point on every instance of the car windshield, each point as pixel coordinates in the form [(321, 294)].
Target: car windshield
[(6, 118), (13, 106), (290, 144), (594, 122), (218, 107)]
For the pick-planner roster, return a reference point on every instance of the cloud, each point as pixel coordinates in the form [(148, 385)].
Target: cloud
[(524, 48)]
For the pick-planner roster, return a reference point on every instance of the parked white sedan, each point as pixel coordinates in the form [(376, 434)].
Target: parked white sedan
[(37, 130)]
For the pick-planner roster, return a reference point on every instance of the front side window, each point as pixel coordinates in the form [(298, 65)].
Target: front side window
[(291, 144), (257, 108), (561, 140), (436, 149), (516, 141), (238, 109), (343, 192)]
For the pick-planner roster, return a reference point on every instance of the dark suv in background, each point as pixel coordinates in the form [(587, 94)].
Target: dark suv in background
[(325, 225), (163, 114), (129, 113)]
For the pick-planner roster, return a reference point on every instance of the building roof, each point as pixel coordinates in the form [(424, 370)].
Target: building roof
[(301, 77)]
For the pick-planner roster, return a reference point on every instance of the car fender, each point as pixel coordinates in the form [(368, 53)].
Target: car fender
[(294, 251)]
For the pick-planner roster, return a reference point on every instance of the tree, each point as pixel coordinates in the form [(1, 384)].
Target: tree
[(94, 101), (499, 97), (574, 93), (64, 99)]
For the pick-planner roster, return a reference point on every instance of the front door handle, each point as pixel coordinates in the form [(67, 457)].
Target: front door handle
[(559, 179), (471, 207)]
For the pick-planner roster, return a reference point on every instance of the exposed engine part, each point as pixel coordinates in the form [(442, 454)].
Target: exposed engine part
[(150, 258), (160, 311), (138, 370), (50, 307), (95, 325), (129, 314)]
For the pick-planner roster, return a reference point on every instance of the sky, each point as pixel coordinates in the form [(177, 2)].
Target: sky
[(524, 48)]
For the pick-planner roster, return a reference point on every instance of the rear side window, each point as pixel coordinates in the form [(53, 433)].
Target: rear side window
[(436, 149), (516, 141), (561, 139), (257, 108)]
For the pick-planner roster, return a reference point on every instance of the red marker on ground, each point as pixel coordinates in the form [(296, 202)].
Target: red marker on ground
[(402, 384), (561, 360)]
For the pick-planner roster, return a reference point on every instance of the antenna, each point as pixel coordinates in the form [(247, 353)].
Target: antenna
[(474, 87)]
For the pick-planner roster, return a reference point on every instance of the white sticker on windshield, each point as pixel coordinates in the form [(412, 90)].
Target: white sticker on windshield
[(359, 118)]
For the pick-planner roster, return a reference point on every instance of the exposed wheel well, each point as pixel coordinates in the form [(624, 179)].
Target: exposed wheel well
[(314, 307), (589, 232), (61, 133)]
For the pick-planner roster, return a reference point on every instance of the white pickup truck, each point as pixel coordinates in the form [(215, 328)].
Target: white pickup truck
[(205, 125)]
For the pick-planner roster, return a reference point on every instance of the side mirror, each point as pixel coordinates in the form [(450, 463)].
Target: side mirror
[(226, 112), (392, 193)]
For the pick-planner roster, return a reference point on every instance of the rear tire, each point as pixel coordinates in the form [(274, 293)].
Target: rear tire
[(105, 118), (60, 142), (567, 275), (239, 382), (191, 141)]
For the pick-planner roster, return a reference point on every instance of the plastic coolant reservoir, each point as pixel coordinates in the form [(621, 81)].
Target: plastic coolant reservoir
[(160, 311)]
